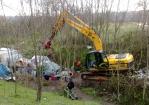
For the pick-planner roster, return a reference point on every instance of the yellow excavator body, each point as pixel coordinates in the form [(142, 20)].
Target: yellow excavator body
[(119, 61)]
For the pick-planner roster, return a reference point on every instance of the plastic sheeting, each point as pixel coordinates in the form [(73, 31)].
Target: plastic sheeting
[(50, 67), (142, 73), (4, 72), (9, 56)]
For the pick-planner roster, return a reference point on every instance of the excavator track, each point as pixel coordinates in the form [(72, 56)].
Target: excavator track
[(94, 76), (100, 75)]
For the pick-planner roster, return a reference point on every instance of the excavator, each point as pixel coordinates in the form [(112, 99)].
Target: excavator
[(98, 65)]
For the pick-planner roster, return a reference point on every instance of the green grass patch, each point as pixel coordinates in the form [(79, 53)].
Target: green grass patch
[(26, 96), (89, 91)]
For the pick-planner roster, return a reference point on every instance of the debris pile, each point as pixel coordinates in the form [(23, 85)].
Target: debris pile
[(141, 74), (11, 60)]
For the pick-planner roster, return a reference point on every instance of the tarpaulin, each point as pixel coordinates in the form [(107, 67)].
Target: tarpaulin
[(4, 71)]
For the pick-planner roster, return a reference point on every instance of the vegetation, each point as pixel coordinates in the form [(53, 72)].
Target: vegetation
[(131, 91)]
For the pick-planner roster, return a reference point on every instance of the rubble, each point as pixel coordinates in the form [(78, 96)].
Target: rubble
[(12, 58), (141, 74)]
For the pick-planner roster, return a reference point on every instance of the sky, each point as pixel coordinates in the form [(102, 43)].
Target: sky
[(13, 7)]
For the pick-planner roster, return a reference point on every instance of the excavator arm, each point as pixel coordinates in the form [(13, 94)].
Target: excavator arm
[(75, 22)]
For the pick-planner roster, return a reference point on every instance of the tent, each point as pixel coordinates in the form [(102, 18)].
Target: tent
[(4, 72), (9, 56), (50, 67)]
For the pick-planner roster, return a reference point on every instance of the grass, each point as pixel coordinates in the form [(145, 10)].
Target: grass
[(89, 91), (26, 96)]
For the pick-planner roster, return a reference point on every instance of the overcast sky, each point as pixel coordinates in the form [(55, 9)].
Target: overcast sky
[(13, 7)]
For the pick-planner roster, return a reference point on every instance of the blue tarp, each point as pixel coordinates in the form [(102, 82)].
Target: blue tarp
[(4, 71)]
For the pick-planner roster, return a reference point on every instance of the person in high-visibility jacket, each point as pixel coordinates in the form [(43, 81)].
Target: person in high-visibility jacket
[(77, 65)]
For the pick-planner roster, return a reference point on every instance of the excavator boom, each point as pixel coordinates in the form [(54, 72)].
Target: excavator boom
[(73, 21)]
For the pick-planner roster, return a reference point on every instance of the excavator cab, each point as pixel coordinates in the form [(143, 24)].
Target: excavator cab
[(96, 59)]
